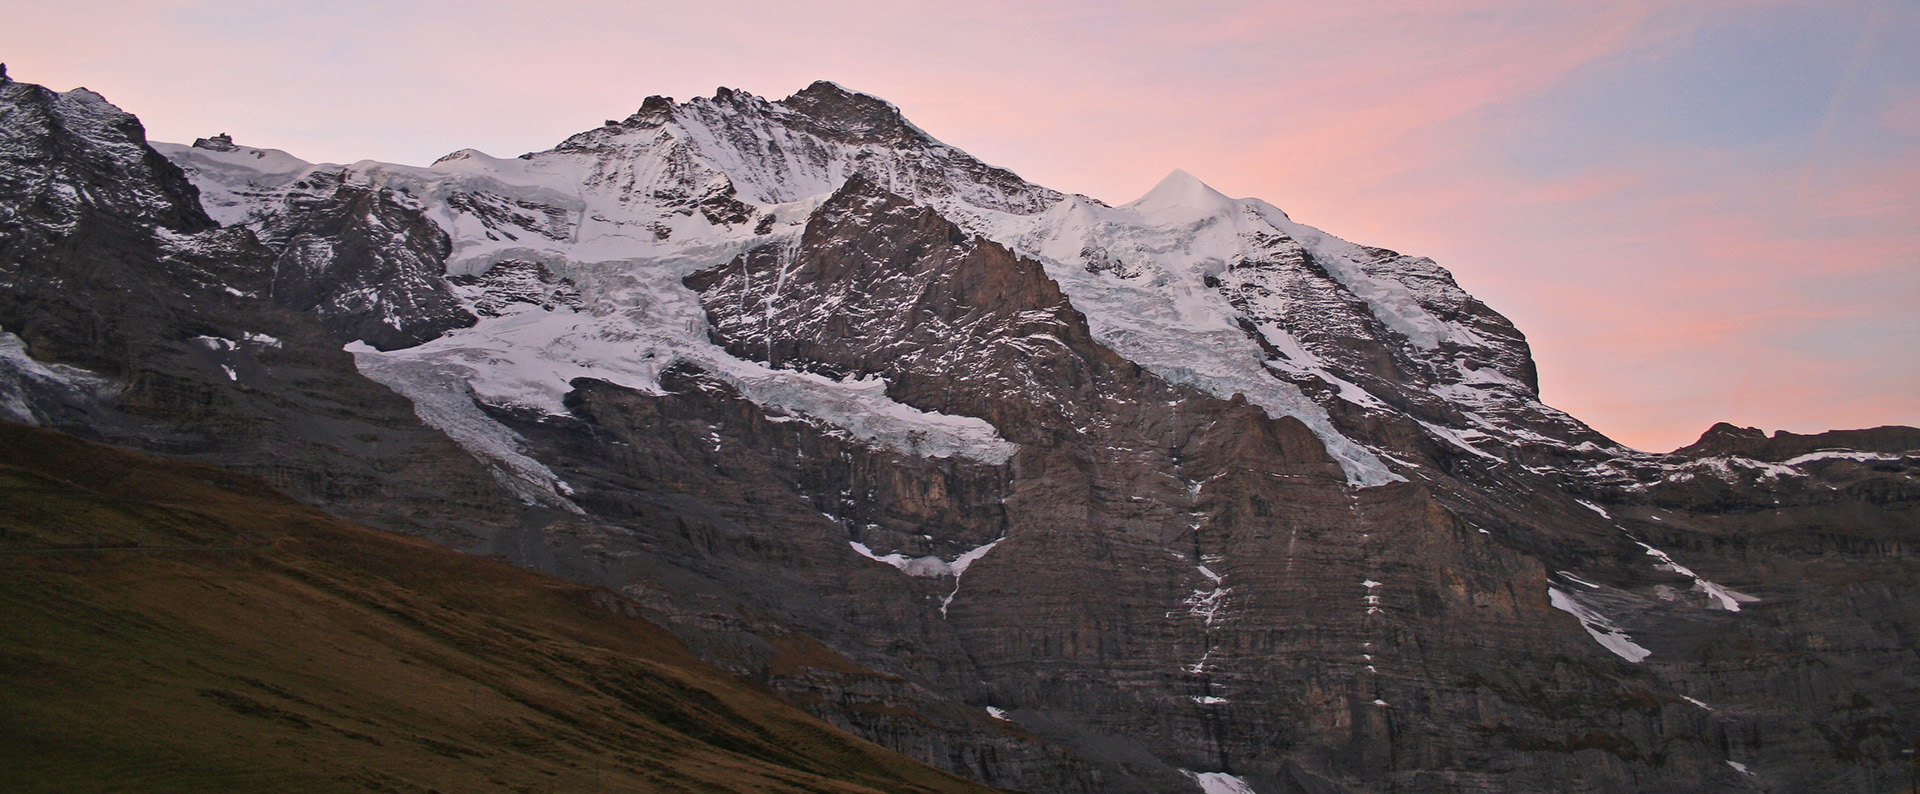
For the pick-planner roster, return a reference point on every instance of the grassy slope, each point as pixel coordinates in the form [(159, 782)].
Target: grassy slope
[(334, 657)]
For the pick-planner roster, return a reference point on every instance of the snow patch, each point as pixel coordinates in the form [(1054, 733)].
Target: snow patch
[(19, 371), (1600, 627), (1722, 597), (1206, 604), (1219, 783), (967, 558), (215, 343), (443, 398), (1839, 454), (1457, 439), (926, 567), (1568, 575), (930, 566)]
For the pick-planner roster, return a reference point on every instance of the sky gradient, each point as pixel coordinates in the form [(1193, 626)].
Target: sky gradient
[(1697, 212)]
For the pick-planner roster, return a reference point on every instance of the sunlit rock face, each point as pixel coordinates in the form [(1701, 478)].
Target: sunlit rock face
[(1177, 495)]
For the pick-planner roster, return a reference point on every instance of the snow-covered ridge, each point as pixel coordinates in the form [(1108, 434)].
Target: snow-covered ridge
[(236, 184), (1140, 274), (625, 211), (1845, 454), (612, 224), (1232, 296), (118, 174), (1641, 472)]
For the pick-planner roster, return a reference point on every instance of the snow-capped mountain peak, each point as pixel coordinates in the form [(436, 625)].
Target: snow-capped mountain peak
[(1181, 196), (780, 372), (1226, 295)]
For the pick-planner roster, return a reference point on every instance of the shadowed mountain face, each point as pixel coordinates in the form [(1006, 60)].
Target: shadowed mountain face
[(130, 316), (176, 627), (1053, 495)]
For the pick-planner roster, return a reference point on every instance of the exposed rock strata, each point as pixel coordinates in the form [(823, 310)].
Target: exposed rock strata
[(1172, 572)]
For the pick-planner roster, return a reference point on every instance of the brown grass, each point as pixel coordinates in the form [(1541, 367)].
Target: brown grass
[(327, 656)]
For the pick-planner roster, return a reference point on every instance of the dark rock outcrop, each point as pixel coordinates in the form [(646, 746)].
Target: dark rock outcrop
[(1167, 595), (364, 260), (160, 320), (1752, 442), (516, 282)]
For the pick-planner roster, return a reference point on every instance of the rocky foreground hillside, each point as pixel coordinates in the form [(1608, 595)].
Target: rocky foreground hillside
[(1058, 496), (178, 628)]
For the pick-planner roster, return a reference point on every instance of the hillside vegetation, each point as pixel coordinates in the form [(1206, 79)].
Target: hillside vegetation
[(176, 627)]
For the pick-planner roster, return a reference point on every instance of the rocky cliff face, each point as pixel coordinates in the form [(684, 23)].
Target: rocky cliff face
[(361, 258), (1056, 495), (129, 315)]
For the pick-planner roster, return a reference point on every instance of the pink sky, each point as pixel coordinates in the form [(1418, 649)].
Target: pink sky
[(1696, 214)]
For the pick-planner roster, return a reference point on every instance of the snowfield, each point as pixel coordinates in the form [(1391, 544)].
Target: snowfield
[(626, 211)]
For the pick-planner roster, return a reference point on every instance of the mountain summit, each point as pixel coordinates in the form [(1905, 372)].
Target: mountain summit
[(1179, 495), (1181, 192)]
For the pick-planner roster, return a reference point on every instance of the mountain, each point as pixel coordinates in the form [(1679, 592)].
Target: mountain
[(1174, 495), (130, 314)]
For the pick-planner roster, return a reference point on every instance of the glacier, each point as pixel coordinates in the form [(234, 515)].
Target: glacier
[(625, 211)]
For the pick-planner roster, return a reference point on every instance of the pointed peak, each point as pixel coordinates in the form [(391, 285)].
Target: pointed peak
[(1182, 180), (654, 111), (1182, 190), (863, 116), (829, 94), (829, 90), (734, 96)]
